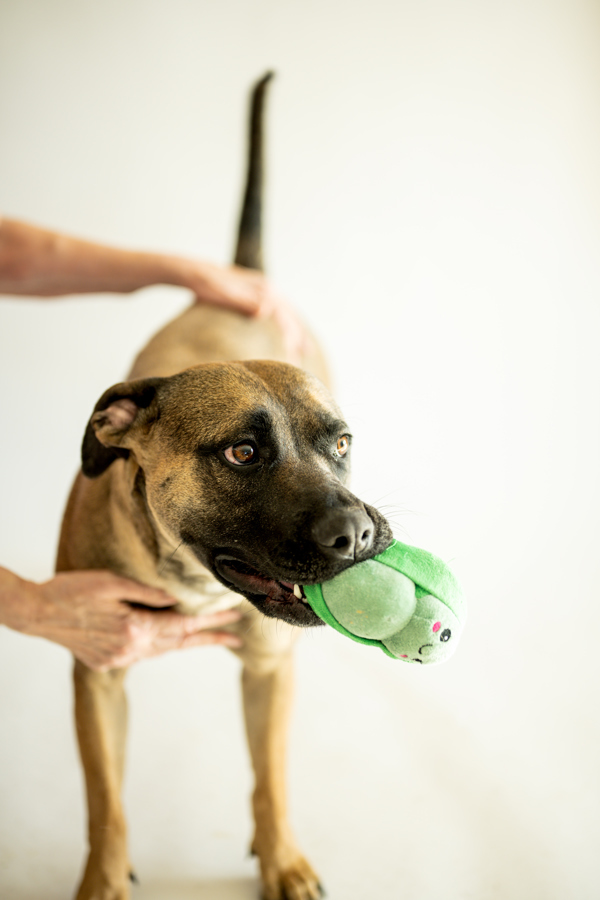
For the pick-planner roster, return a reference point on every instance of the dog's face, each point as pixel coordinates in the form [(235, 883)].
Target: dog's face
[(247, 464)]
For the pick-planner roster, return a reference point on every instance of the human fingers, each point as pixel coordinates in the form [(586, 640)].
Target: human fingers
[(229, 286), (168, 628), (169, 622), (234, 287), (295, 337), (115, 587), (204, 621), (104, 662), (159, 632), (205, 638), (146, 634)]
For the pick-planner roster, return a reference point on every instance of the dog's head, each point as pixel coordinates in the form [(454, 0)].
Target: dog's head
[(247, 464)]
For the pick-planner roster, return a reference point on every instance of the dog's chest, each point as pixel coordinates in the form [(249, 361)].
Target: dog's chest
[(194, 588)]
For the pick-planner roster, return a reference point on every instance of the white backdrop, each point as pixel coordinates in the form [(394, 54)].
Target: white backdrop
[(433, 209)]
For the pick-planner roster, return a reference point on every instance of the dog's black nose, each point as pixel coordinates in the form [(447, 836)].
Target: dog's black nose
[(343, 533)]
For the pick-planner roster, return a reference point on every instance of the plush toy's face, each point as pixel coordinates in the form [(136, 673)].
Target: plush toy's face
[(430, 636)]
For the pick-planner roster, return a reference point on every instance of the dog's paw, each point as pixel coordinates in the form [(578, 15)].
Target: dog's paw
[(105, 883), (297, 881), (103, 892)]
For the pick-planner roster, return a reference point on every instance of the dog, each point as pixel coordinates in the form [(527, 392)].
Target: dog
[(218, 472)]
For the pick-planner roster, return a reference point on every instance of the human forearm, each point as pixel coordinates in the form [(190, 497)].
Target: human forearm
[(19, 607), (38, 262)]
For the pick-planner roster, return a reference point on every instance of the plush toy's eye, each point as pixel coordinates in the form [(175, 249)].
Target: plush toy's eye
[(242, 454), (342, 446), (445, 635)]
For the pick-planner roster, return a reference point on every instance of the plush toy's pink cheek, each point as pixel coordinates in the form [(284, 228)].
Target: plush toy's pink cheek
[(437, 626), (404, 656)]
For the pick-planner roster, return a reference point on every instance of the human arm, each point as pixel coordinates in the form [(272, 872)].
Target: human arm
[(38, 262), (87, 612)]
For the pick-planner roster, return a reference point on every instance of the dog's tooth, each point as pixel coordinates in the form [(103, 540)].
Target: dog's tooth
[(298, 592)]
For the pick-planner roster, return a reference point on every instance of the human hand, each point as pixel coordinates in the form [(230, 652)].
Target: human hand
[(244, 290), (90, 613), (298, 343), (249, 292)]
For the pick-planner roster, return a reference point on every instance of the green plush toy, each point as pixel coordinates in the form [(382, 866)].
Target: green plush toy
[(405, 601)]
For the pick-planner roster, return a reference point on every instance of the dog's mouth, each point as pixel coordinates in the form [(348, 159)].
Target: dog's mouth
[(248, 579), (278, 599)]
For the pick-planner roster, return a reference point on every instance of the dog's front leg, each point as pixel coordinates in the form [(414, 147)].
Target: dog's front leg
[(101, 718), (267, 692)]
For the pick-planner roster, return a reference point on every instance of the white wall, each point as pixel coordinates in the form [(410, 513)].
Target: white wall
[(433, 209)]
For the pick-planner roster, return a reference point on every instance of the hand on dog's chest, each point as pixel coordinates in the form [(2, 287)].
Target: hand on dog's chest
[(405, 601)]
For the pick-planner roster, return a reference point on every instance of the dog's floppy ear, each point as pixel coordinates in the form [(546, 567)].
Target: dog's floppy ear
[(114, 414)]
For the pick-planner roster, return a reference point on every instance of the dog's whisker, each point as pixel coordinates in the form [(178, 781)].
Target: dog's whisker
[(262, 625), (394, 511), (169, 558), (252, 625), (383, 497)]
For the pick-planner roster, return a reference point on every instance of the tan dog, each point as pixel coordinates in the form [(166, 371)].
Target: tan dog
[(223, 483)]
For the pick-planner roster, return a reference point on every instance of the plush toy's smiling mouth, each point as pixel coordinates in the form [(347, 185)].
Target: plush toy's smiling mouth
[(246, 579)]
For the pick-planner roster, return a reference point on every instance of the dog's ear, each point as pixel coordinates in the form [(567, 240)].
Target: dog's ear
[(117, 410)]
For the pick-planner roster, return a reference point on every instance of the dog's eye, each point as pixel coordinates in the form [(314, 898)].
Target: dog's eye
[(242, 454), (342, 446)]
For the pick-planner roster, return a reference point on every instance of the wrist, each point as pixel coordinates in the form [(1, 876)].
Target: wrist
[(180, 271), (20, 603)]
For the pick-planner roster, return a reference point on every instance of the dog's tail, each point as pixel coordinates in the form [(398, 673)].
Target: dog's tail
[(248, 251)]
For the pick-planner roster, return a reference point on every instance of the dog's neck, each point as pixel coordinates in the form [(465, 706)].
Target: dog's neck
[(160, 560)]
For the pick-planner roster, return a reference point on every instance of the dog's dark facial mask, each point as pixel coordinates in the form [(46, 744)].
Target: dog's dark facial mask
[(246, 463)]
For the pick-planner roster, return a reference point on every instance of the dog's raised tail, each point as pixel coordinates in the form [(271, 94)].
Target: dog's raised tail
[(248, 251)]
